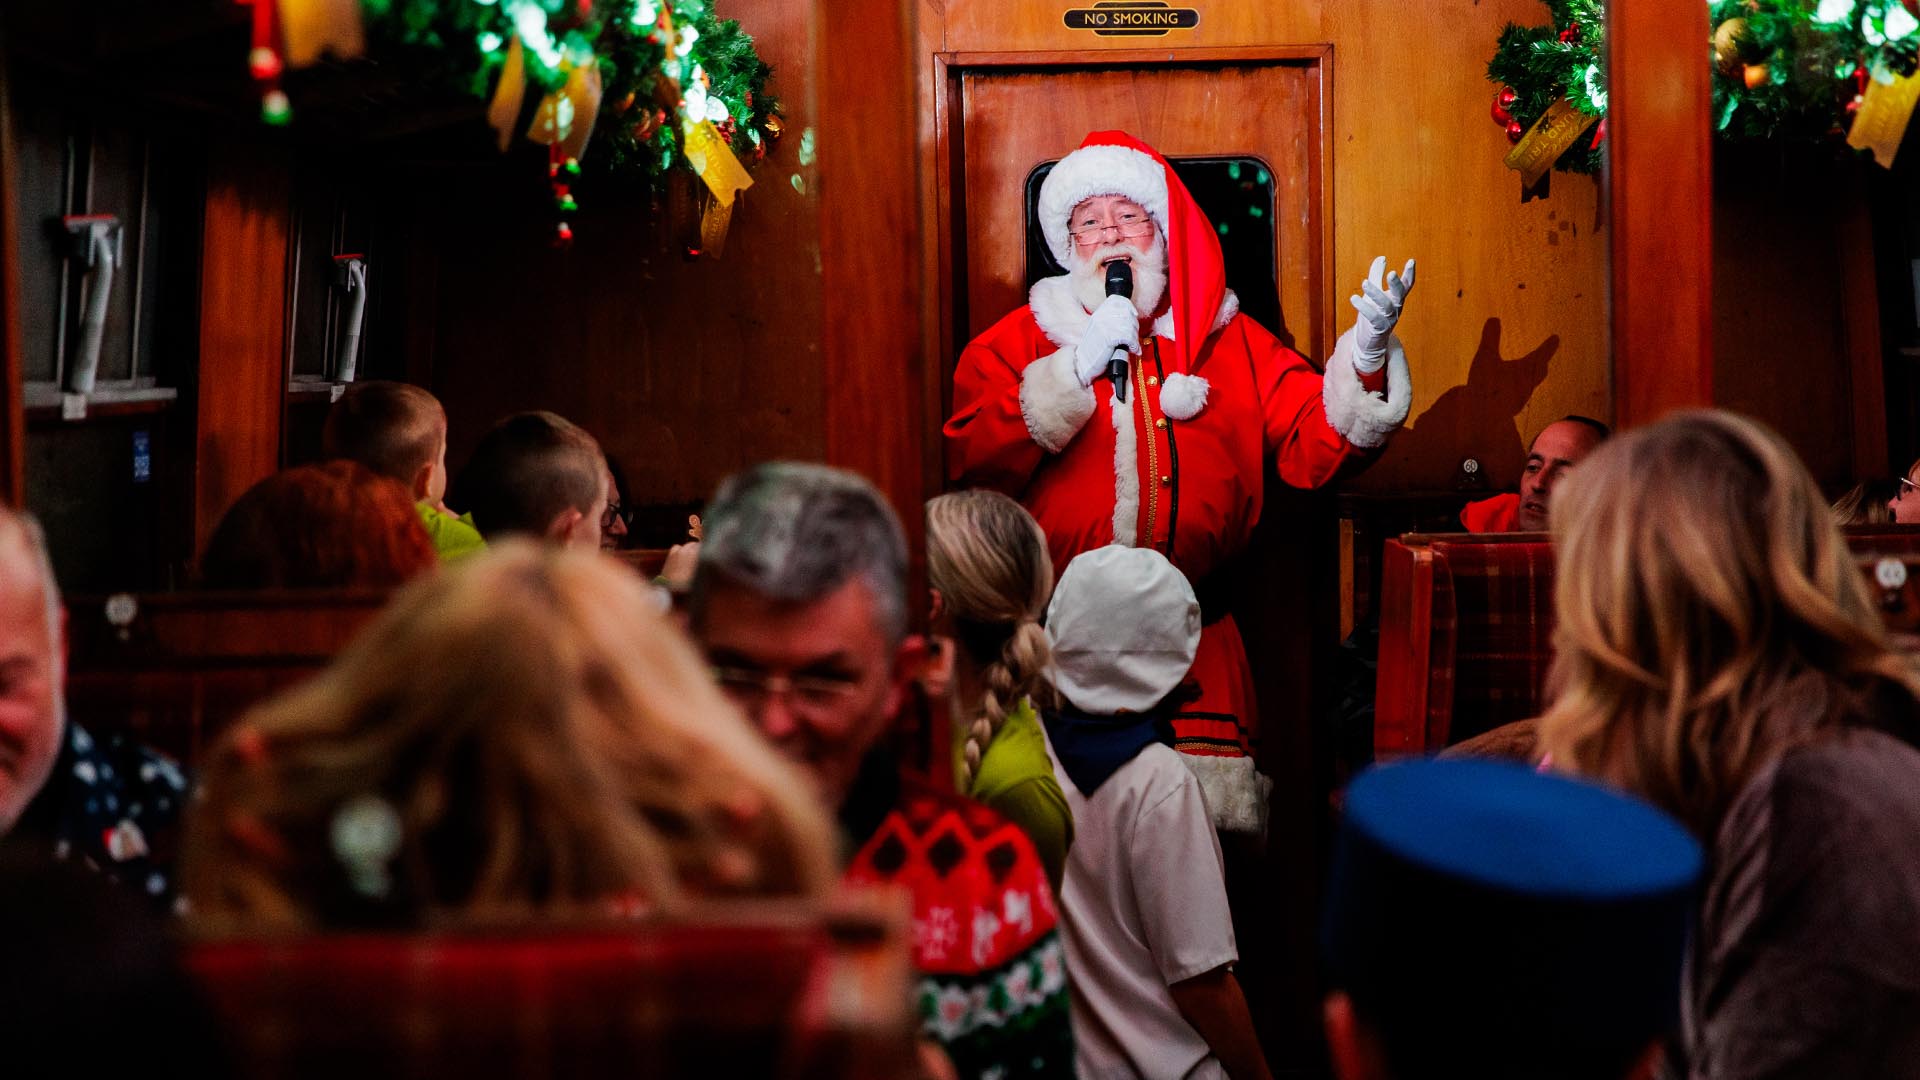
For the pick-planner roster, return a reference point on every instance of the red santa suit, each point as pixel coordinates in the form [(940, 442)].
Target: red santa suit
[(1495, 515), (1180, 465)]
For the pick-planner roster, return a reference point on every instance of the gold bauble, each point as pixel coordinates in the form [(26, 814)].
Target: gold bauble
[(1731, 40)]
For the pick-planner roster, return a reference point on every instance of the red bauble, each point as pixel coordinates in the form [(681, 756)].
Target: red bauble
[(1572, 31), (1514, 131), (1500, 115), (1507, 97)]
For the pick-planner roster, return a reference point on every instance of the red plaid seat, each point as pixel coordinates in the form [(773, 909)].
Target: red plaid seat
[(786, 996), (1501, 596), (1466, 633)]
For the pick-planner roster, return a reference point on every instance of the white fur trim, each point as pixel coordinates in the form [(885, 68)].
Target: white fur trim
[(1126, 474), (1061, 317), (1183, 396), (1052, 401), (1099, 170), (1235, 791), (1360, 415), (1229, 307), (1057, 312)]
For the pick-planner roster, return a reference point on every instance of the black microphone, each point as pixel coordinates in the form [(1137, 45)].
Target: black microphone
[(1119, 283)]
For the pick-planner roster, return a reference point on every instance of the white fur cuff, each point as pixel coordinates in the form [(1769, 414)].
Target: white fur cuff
[(1236, 792), (1362, 416), (1053, 402)]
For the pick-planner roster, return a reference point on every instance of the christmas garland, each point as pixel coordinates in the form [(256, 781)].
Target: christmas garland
[(1540, 65), (1782, 69), (666, 83)]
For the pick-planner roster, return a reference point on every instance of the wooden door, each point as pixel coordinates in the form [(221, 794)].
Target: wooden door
[(1002, 116), (1012, 117)]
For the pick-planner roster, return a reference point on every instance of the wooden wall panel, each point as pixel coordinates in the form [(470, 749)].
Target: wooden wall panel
[(871, 339), (1507, 329), (12, 414), (1796, 334), (686, 370), (242, 375)]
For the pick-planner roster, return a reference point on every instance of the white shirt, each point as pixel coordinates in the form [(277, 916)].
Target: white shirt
[(1143, 906)]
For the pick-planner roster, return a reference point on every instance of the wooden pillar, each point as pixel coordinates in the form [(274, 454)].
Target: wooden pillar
[(870, 225), (1660, 187), (243, 318), (12, 385)]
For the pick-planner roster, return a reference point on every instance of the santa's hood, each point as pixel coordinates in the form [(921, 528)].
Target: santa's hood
[(1115, 163)]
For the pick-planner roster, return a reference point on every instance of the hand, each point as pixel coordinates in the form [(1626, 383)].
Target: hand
[(1379, 306), (1114, 325), (677, 572)]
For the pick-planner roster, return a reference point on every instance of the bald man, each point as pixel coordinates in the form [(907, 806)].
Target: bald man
[(1559, 447), (111, 806)]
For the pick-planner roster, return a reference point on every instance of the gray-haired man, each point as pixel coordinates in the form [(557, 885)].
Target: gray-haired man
[(800, 602)]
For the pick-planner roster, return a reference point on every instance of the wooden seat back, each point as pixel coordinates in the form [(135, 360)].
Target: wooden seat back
[(773, 990), (172, 670)]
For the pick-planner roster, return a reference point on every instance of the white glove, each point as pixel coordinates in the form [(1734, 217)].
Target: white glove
[(1379, 306), (1114, 325)]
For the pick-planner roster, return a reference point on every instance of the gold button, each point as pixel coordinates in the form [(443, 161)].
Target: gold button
[(1160, 423), (1153, 380), (1166, 481)]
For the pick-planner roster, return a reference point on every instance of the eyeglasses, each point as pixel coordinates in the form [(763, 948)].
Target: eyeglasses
[(1128, 225), (1906, 483), (615, 512), (753, 688)]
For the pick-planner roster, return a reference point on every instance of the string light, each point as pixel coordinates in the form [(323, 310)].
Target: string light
[(1900, 22), (531, 21), (1833, 11)]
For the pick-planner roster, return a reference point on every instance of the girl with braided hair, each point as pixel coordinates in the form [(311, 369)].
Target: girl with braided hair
[(988, 565)]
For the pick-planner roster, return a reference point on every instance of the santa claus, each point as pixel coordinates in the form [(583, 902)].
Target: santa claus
[(1177, 462)]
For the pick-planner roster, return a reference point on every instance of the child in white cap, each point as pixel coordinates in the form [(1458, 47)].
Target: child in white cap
[(1149, 937)]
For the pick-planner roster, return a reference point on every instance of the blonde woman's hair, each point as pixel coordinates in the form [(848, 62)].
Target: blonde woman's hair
[(1710, 616), (521, 734), (988, 558)]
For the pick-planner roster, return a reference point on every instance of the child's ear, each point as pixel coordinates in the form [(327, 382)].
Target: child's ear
[(565, 524), (423, 481)]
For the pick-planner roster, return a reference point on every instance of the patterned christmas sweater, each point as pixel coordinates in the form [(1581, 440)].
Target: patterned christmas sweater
[(993, 974), (115, 807)]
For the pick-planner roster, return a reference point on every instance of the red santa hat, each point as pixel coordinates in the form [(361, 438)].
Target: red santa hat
[(1115, 163)]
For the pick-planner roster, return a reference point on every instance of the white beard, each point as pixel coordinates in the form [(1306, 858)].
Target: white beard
[(1087, 275)]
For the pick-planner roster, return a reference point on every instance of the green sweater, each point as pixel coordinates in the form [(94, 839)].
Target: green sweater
[(453, 537), (1016, 778)]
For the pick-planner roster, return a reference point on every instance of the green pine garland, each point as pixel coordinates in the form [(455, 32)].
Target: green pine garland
[(648, 77), (1788, 69), (1543, 64)]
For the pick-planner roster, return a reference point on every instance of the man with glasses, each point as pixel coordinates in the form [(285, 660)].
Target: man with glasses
[(1213, 402), (799, 601)]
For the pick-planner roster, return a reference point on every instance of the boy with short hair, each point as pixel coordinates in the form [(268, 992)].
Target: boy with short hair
[(538, 475), (1149, 936), (400, 431)]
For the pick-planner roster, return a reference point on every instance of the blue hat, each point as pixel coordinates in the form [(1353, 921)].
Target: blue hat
[(1483, 912)]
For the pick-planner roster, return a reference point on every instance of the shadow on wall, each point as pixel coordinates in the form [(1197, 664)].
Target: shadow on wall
[(1476, 418)]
